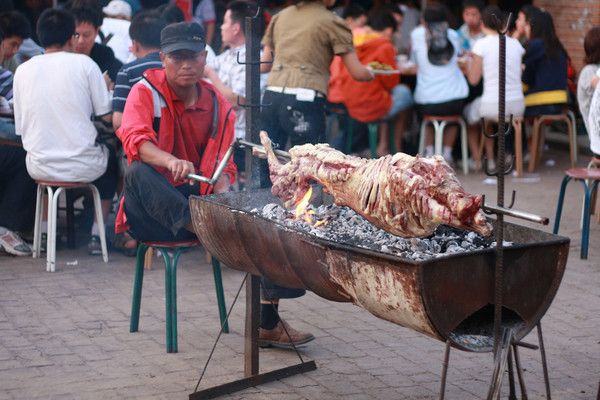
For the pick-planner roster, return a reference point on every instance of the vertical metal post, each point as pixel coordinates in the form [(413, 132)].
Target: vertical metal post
[(253, 38), (253, 171), (251, 354), (499, 273)]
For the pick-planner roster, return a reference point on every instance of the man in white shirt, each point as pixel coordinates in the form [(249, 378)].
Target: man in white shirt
[(116, 25), (229, 76), (55, 96)]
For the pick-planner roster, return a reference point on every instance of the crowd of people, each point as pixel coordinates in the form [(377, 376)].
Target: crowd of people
[(130, 96)]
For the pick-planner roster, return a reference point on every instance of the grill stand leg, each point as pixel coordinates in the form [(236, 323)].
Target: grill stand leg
[(511, 377), (544, 363), (519, 372), (500, 360), (252, 377), (445, 370)]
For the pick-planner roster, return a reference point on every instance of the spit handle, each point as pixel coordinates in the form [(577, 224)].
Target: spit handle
[(515, 213), (218, 170)]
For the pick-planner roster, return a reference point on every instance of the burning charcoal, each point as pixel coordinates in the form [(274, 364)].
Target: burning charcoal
[(343, 225)]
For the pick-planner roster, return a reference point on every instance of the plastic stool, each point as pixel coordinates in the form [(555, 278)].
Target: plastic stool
[(589, 178), (53, 196), (537, 139), (171, 252), (439, 124), (517, 126)]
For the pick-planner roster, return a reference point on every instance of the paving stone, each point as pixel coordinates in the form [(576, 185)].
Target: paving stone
[(65, 335)]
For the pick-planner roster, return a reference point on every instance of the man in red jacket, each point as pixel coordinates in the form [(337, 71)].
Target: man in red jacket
[(174, 124)]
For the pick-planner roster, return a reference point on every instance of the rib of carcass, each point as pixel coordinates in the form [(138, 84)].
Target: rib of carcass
[(404, 195)]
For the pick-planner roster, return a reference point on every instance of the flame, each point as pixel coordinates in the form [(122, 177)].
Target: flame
[(302, 205), (302, 211)]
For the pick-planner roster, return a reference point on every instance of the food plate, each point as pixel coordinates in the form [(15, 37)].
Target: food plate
[(386, 71)]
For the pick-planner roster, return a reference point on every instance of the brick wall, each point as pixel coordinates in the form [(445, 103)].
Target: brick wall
[(572, 18)]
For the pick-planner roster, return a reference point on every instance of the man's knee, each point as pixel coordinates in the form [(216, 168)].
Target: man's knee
[(137, 173)]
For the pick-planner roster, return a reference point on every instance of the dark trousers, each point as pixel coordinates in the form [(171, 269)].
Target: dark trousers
[(287, 118), (107, 182), (156, 210), (301, 122), (17, 190)]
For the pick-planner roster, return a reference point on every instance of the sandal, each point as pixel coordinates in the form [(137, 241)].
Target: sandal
[(126, 244)]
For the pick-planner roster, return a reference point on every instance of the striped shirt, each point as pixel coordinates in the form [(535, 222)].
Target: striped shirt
[(129, 75), (6, 83)]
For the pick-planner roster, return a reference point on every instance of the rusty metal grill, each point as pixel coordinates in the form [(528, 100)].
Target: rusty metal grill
[(449, 298)]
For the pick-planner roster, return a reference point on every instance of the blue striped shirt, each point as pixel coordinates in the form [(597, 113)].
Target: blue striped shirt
[(129, 75), (6, 83)]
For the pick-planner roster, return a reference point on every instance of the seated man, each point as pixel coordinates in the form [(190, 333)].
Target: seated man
[(88, 22), (17, 201), (384, 97), (163, 149), (57, 133), (16, 29), (145, 36)]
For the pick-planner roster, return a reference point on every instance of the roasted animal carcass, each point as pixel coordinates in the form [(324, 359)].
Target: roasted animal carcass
[(404, 195)]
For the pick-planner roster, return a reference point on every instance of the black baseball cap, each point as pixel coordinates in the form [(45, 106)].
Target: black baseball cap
[(182, 36)]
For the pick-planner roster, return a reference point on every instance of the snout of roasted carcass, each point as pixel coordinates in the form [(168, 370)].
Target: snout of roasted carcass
[(404, 195)]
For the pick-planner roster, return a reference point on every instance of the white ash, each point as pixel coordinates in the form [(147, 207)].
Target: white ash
[(346, 226)]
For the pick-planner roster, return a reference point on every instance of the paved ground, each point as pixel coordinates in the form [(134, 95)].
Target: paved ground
[(65, 335)]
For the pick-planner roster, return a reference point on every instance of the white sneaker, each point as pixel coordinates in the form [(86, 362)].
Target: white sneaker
[(474, 166), (13, 244)]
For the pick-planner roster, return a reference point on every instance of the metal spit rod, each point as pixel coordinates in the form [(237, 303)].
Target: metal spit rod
[(259, 150), (218, 170)]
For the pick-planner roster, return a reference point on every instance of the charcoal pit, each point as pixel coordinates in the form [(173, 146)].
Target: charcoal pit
[(344, 225), (448, 295)]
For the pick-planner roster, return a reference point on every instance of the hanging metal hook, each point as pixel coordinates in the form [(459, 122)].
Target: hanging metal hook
[(512, 199), (237, 57)]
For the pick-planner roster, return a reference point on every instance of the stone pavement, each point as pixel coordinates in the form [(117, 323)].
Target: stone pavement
[(65, 335)]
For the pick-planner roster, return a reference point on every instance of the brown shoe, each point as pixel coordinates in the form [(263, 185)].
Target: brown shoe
[(277, 336)]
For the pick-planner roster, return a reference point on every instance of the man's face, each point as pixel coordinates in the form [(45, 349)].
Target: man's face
[(472, 17), (10, 46), (184, 67), (229, 28), (86, 35)]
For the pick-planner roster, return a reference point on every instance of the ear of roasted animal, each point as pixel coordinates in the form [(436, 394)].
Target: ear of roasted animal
[(404, 195)]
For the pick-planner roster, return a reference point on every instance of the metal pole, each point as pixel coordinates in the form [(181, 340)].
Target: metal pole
[(251, 351), (253, 38), (499, 273)]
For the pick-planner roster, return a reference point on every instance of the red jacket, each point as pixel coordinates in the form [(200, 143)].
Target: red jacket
[(138, 118), (370, 101)]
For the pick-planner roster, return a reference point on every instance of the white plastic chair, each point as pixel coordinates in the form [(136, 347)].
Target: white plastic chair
[(54, 190)]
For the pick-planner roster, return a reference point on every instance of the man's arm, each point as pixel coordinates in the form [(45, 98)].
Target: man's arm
[(266, 59), (151, 154), (358, 71), (117, 119)]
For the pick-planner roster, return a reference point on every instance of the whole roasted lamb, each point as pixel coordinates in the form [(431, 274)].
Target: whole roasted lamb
[(404, 195)]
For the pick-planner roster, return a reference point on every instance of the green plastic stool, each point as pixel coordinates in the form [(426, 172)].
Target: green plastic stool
[(373, 129), (171, 252)]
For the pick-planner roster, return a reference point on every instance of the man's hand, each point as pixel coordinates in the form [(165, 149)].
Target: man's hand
[(180, 169), (595, 81), (222, 185)]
